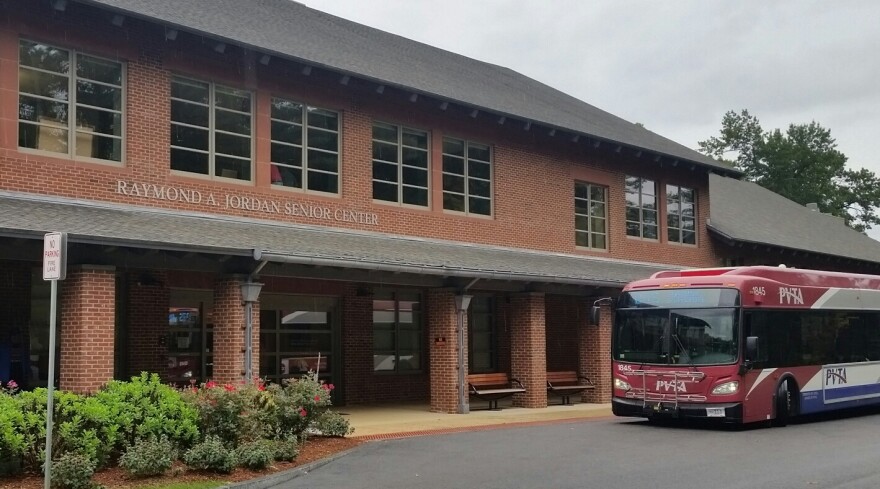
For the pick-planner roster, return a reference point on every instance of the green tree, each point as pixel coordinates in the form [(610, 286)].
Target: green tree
[(802, 164)]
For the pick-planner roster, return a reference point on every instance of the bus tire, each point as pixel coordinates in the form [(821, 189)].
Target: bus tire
[(783, 404)]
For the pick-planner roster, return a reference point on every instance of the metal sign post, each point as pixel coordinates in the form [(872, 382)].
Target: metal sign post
[(54, 269)]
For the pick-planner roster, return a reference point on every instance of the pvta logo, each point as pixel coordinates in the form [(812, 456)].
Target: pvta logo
[(670, 385), (791, 295), (835, 376)]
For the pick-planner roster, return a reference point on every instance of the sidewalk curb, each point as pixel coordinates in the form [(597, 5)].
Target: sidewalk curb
[(287, 475)]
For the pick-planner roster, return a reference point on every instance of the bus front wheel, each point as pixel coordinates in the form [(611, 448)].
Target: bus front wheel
[(783, 404)]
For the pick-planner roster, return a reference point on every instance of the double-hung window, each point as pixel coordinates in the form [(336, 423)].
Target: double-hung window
[(69, 103), (397, 331), (305, 147), (680, 215), (641, 208), (590, 216), (211, 129), (467, 177), (400, 164)]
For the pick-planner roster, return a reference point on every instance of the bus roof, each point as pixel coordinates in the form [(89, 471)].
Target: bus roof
[(799, 277)]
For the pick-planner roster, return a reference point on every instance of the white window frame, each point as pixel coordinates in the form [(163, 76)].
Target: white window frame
[(467, 178), (304, 147), (212, 130), (72, 103), (589, 231), (401, 129)]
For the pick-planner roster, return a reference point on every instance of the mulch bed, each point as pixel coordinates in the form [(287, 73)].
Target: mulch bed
[(316, 448)]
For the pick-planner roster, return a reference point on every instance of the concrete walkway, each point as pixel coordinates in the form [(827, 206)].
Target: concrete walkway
[(403, 420)]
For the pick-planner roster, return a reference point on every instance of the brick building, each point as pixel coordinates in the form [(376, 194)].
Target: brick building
[(365, 179)]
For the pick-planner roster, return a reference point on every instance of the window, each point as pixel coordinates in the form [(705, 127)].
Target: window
[(305, 147), (483, 335), (190, 336), (49, 90), (641, 208), (400, 164), (467, 177), (590, 216), (397, 331), (680, 215), (210, 129)]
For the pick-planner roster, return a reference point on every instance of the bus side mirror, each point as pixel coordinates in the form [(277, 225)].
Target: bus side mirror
[(751, 348), (594, 315)]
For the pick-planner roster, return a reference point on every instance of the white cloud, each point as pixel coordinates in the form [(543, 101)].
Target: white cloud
[(674, 66)]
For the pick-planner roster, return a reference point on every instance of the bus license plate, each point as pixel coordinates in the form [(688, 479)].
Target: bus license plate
[(715, 412)]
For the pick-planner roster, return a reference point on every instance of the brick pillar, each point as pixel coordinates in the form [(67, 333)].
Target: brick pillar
[(595, 357), (229, 327), (88, 319), (147, 324), (528, 357), (357, 345), (443, 325)]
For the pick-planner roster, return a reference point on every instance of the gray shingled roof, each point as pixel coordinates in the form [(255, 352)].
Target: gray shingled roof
[(291, 30), (745, 211), (89, 222)]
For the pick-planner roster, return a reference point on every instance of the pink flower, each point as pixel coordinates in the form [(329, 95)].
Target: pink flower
[(328, 387), (11, 385), (210, 385), (317, 398), (261, 387), (303, 412), (229, 387)]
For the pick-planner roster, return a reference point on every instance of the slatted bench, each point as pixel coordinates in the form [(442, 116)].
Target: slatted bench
[(565, 384), (492, 387)]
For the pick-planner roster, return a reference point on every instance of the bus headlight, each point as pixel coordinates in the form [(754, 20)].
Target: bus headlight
[(621, 384), (726, 388)]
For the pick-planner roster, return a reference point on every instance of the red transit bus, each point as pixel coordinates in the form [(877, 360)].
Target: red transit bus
[(746, 344)]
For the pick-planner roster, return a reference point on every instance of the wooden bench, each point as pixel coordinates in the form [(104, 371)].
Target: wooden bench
[(565, 384), (492, 387)]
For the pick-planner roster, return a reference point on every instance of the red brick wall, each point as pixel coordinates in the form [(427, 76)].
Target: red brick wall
[(147, 322), (87, 328), (443, 323), (533, 172), (229, 327), (595, 359), (527, 342)]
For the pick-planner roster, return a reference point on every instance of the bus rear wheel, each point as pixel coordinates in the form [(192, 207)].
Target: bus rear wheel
[(783, 404)]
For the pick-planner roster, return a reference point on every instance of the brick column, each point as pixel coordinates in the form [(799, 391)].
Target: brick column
[(88, 318), (147, 325), (528, 357), (595, 357), (229, 327), (443, 325), (357, 345)]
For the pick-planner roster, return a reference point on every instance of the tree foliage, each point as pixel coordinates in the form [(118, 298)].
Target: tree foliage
[(802, 164)]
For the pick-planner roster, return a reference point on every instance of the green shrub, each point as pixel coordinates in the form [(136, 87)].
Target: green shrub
[(296, 405), (256, 455), (12, 443), (331, 423), (148, 457), (73, 471), (212, 455), (146, 408), (82, 425), (285, 449)]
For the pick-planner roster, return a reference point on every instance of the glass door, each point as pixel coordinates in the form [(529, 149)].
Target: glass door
[(299, 335)]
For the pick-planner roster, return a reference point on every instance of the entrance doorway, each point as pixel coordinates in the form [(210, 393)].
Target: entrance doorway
[(300, 335)]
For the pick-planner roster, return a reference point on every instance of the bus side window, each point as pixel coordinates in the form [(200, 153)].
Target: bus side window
[(755, 324)]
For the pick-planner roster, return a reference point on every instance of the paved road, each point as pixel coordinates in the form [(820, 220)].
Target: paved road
[(842, 452)]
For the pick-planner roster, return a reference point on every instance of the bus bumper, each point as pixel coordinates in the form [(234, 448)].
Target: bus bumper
[(730, 412)]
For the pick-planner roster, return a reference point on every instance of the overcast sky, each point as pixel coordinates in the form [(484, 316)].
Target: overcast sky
[(675, 66)]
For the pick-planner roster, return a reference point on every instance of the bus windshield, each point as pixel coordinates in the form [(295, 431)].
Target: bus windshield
[(676, 336)]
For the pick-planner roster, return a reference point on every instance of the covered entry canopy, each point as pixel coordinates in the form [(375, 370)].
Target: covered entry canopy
[(233, 245)]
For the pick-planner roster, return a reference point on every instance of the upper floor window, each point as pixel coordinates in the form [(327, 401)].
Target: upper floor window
[(211, 129), (467, 177), (590, 217), (305, 147), (400, 164), (680, 215), (641, 208), (397, 331), (54, 82)]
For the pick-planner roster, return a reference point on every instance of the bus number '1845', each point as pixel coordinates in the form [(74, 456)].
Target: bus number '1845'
[(758, 291)]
